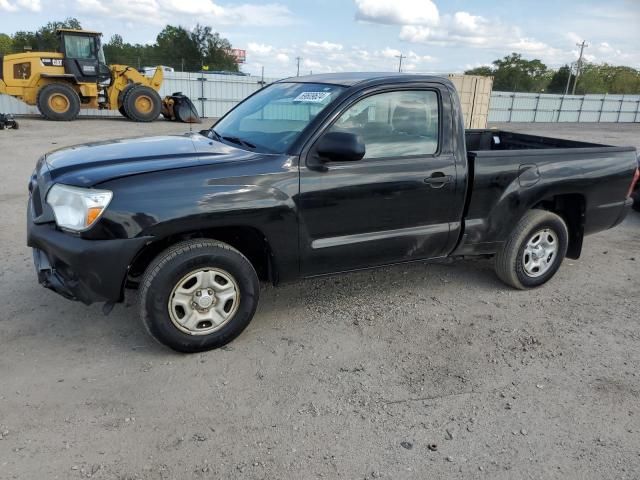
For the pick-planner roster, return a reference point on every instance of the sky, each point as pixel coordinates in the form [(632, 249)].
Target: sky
[(435, 36)]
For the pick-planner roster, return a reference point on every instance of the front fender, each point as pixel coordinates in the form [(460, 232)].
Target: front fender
[(191, 200)]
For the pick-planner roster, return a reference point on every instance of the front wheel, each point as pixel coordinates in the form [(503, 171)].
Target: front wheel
[(534, 251), (198, 295), (141, 103)]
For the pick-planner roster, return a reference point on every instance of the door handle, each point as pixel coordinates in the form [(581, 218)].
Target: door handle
[(438, 180)]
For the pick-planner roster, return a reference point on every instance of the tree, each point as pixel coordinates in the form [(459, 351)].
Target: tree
[(45, 39), (6, 44), (175, 46), (513, 73), (213, 49), (484, 71), (558, 83)]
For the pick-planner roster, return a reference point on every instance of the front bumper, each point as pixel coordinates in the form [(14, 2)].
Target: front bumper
[(80, 269)]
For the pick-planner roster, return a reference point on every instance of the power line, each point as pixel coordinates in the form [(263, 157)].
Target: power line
[(578, 65), (400, 62)]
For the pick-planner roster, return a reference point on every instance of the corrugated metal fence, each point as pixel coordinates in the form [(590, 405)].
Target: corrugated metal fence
[(534, 107), (215, 94)]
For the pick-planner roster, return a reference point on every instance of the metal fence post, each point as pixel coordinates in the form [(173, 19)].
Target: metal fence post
[(620, 109), (202, 97), (560, 109), (513, 100), (602, 100), (580, 111), (535, 109), (635, 119)]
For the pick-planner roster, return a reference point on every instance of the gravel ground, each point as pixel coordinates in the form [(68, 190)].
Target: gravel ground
[(411, 372)]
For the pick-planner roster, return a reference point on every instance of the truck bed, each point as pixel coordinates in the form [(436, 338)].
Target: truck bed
[(500, 140), (510, 173)]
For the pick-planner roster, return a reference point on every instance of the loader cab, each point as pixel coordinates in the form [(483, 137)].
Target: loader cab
[(83, 55)]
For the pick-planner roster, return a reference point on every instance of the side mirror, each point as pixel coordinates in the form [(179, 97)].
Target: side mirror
[(340, 147)]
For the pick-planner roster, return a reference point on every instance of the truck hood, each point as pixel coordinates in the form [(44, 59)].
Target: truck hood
[(92, 163)]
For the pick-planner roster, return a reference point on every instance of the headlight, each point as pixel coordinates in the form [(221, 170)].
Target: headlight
[(77, 208)]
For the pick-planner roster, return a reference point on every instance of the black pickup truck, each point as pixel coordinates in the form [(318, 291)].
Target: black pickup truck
[(311, 176)]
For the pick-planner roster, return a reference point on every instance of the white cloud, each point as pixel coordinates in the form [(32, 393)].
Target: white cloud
[(14, 6), (464, 23), (390, 52), (326, 46), (463, 29), (194, 7), (573, 37), (259, 48), (94, 6), (162, 12), (397, 12), (324, 57)]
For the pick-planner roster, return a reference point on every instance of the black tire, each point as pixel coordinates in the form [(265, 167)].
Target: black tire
[(133, 109), (170, 268), (636, 200), (59, 93), (509, 261), (121, 96)]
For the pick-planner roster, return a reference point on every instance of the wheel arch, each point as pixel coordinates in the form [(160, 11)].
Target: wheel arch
[(68, 80), (571, 208), (248, 240)]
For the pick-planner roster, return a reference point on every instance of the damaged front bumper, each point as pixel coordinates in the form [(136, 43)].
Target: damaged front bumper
[(79, 269)]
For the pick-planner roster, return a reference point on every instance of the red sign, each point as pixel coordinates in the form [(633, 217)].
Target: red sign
[(239, 55)]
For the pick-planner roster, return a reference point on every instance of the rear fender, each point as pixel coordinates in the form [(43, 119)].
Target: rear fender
[(486, 235)]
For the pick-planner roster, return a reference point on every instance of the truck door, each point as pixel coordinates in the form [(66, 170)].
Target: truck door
[(398, 203)]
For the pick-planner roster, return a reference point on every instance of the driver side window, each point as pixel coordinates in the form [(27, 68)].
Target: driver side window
[(394, 124)]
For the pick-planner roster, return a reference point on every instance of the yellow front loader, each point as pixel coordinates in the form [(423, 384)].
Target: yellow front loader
[(61, 83)]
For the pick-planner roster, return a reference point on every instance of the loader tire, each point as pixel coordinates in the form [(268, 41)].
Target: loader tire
[(121, 96), (142, 104), (58, 101)]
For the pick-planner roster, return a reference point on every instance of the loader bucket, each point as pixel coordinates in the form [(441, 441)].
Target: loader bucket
[(179, 108)]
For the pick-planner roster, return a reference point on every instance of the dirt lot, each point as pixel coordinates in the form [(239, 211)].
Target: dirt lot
[(348, 377)]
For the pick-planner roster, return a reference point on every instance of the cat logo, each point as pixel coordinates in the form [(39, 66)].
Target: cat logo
[(51, 62)]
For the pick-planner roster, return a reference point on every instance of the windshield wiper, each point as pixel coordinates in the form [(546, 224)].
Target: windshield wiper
[(238, 141)]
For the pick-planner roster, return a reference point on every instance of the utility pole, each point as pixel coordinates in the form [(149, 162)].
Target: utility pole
[(262, 82), (578, 65), (566, 90), (400, 57), (298, 64)]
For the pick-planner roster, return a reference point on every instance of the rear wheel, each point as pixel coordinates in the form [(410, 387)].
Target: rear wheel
[(198, 295), (534, 251), (58, 101), (142, 104)]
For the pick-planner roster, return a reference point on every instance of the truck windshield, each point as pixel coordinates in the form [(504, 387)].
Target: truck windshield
[(272, 119)]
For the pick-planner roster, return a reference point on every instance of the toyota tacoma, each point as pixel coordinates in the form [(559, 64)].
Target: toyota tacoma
[(311, 176)]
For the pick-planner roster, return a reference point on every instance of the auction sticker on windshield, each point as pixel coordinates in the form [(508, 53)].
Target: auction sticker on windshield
[(312, 97)]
